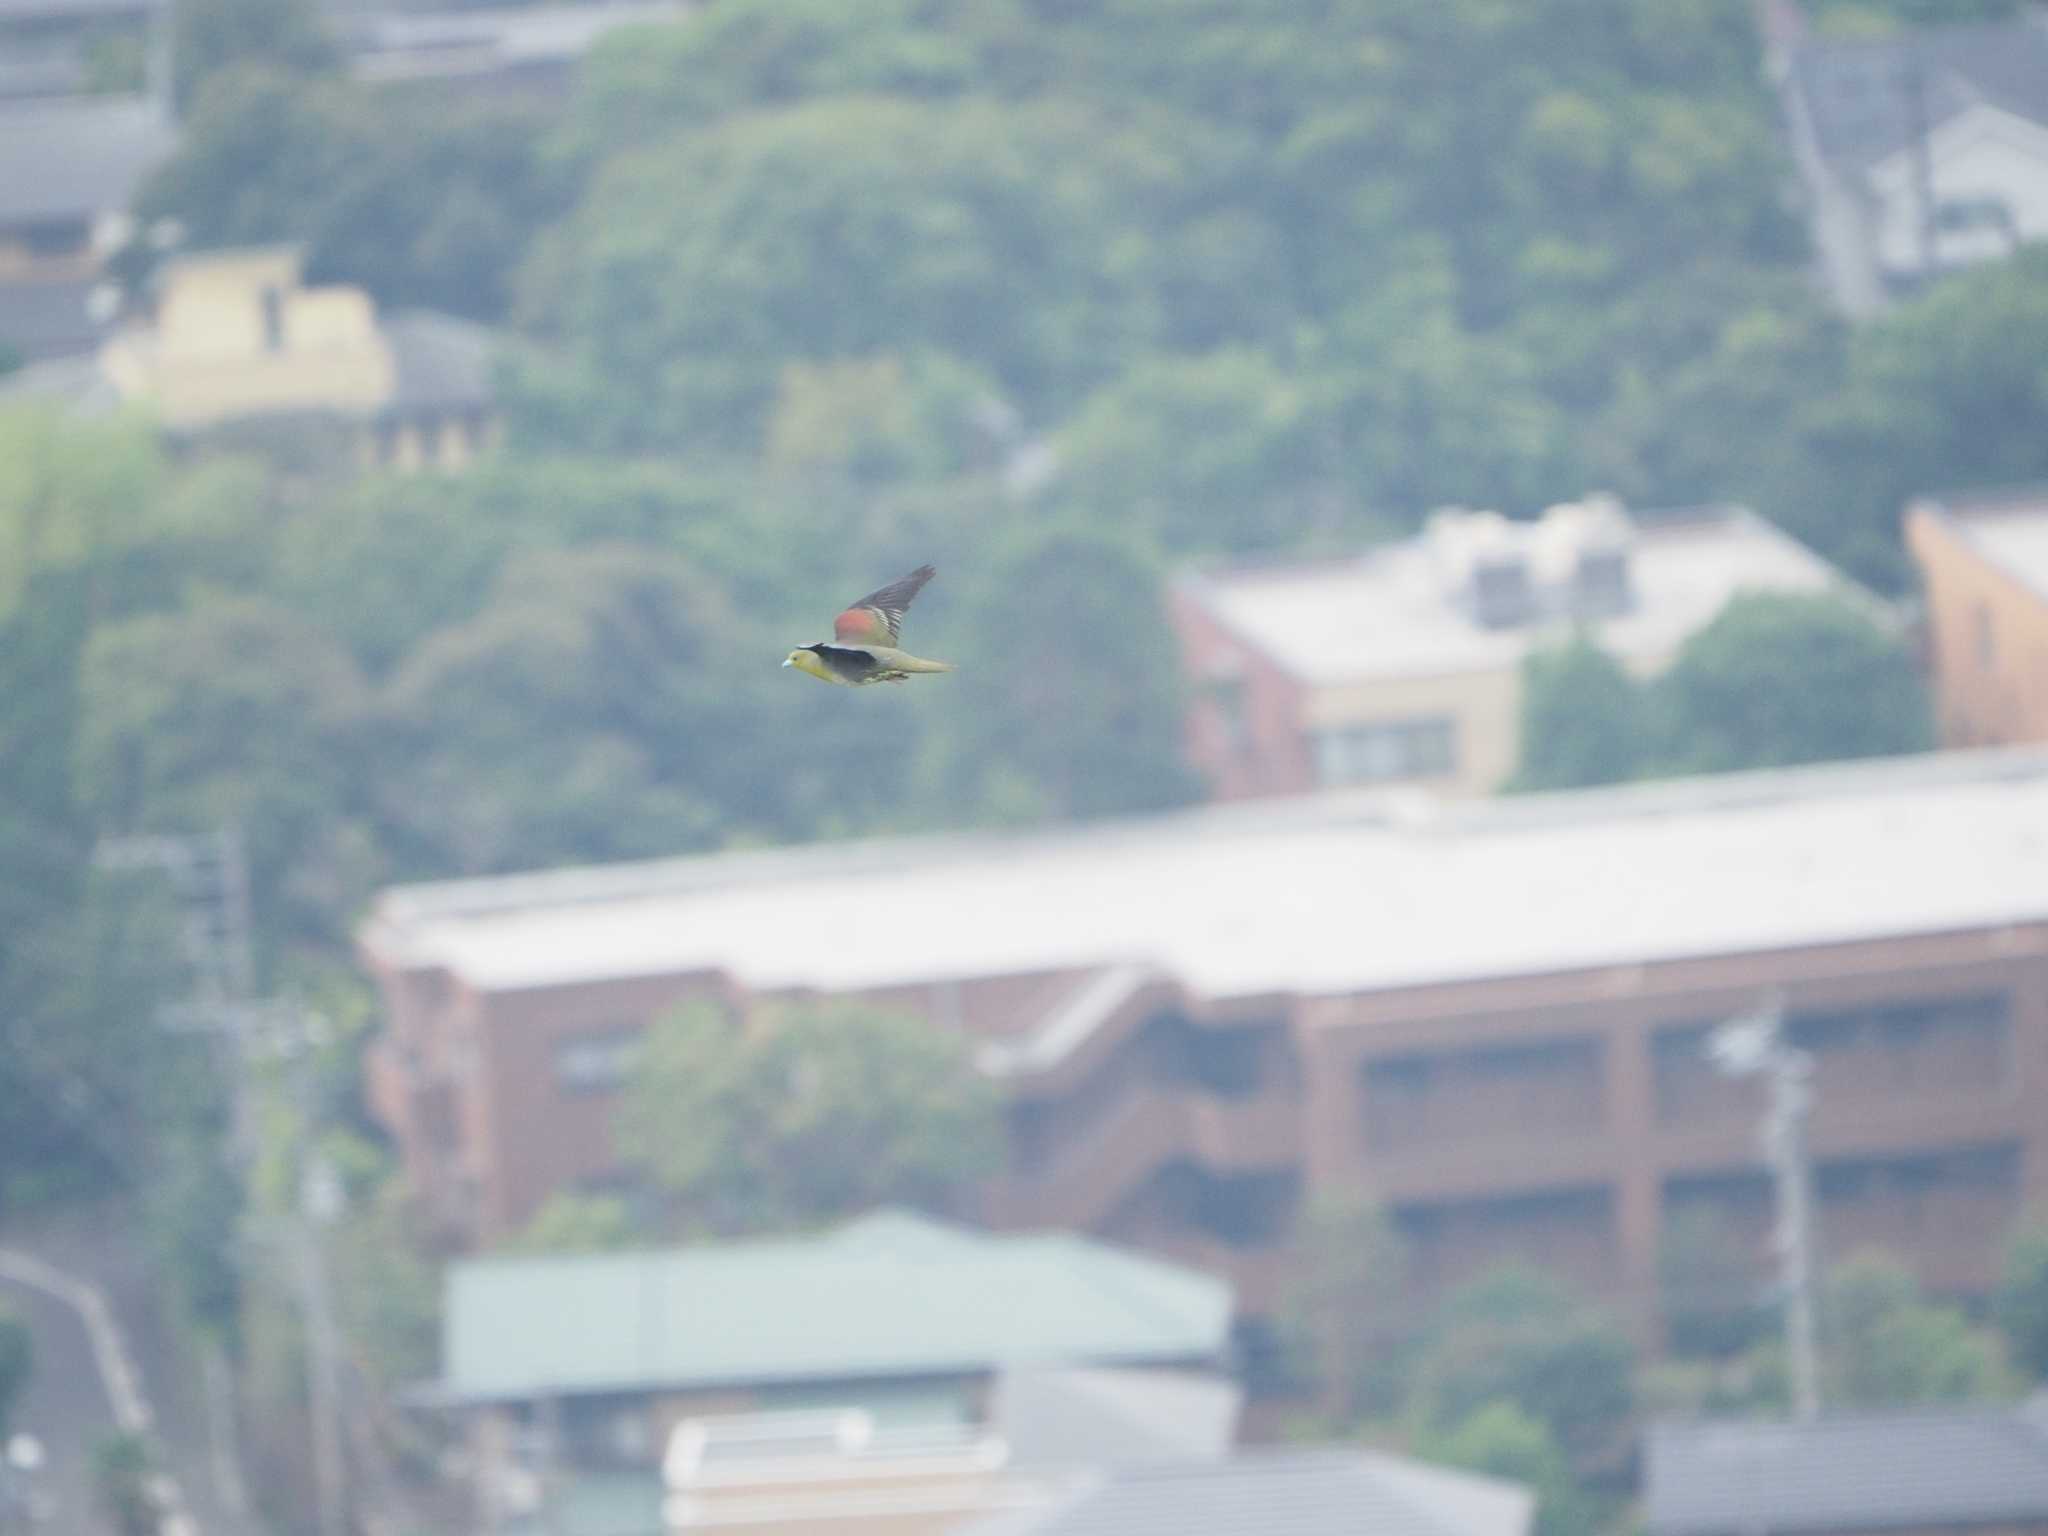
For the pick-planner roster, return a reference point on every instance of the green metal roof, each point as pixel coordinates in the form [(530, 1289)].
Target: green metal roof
[(892, 1295)]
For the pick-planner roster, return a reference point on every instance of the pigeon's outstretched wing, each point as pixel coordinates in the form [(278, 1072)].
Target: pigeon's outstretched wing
[(877, 619)]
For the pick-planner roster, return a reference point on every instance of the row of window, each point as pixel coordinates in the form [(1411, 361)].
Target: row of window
[(1387, 751), (1909, 1197), (1924, 1046)]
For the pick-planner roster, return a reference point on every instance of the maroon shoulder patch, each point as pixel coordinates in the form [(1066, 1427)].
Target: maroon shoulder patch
[(860, 624)]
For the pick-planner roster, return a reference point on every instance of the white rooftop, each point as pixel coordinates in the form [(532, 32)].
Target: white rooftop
[(2012, 536), (1319, 895), (1388, 613)]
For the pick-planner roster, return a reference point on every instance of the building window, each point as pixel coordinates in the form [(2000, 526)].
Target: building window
[(273, 319), (597, 1063), (1383, 751), (1971, 215), (1987, 640), (1459, 1097)]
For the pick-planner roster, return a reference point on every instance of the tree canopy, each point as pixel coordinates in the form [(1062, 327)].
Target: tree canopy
[(804, 1114), (1774, 680)]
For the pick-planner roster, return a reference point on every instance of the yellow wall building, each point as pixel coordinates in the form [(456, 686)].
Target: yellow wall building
[(234, 337), (1984, 565), (1403, 665)]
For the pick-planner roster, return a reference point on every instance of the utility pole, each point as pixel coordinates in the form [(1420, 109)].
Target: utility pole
[(1755, 1045), (320, 1200), (210, 879)]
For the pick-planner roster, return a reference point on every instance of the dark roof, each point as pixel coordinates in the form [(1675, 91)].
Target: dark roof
[(1859, 95), (76, 158), (1861, 1472), (41, 320), (1299, 1493), (444, 364)]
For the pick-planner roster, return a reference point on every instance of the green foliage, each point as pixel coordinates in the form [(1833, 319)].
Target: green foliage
[(230, 713), (421, 200), (1944, 394), (1709, 1289), (194, 1228), (1778, 679), (1503, 1440), (1516, 1334), (1889, 1347), (1344, 1308), (1223, 451), (121, 1474), (1585, 721), (2022, 1301), (571, 1223), (387, 1288), (1857, 18), (17, 1364), (626, 656), (846, 229), (213, 36), (805, 1115), (1074, 700), (1775, 680)]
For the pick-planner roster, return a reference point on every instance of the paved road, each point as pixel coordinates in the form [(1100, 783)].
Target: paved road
[(99, 1253), (65, 1407)]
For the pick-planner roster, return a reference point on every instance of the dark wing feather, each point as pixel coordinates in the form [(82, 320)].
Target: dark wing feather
[(848, 661), (878, 617)]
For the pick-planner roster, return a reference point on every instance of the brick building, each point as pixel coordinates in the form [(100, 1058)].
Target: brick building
[(1487, 1015), (1984, 565), (1403, 664)]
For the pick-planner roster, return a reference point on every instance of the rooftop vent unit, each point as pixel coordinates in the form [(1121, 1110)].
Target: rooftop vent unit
[(1584, 553), (1501, 592)]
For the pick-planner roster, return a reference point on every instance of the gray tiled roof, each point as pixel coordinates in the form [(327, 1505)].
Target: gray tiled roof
[(74, 158), (1857, 91), (1928, 1467), (1301, 1493), (1071, 1416), (444, 364), (41, 320)]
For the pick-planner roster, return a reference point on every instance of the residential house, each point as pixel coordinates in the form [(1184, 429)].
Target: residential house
[(1403, 664), (1984, 565), (237, 337), (1488, 1015), (1931, 1471), (1921, 150), (69, 169), (908, 1323), (1047, 1430), (1280, 1493)]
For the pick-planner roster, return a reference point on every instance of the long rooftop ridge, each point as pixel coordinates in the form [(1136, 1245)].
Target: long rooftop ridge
[(1394, 810)]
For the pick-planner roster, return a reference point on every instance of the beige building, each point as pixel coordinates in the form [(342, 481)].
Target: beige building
[(1402, 665), (1984, 564), (234, 337)]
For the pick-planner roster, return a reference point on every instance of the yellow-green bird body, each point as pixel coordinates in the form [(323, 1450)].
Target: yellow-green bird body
[(863, 646)]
